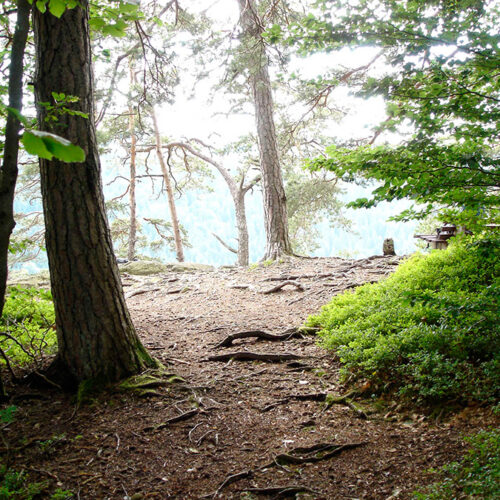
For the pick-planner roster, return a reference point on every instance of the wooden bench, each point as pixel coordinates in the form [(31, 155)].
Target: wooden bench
[(439, 240)]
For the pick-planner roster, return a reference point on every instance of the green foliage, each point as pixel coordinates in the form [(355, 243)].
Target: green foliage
[(442, 87), (27, 325), (47, 145), (477, 475), (15, 485), (7, 414), (56, 7), (430, 331)]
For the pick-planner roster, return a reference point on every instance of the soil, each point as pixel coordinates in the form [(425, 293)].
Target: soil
[(233, 429)]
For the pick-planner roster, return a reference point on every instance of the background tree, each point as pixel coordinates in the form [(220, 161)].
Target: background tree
[(10, 149), (442, 88), (274, 197), (96, 338)]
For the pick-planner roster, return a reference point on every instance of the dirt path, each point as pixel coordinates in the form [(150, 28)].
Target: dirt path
[(240, 422)]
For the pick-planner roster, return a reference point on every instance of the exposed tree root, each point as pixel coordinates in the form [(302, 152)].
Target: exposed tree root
[(297, 456), (179, 418), (144, 383), (311, 454), (281, 491), (259, 334), (325, 397), (140, 291), (254, 356), (277, 288), (233, 478)]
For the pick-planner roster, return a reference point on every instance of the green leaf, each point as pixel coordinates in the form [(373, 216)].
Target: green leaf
[(41, 5), (47, 145), (18, 115), (57, 7), (35, 146), (65, 152)]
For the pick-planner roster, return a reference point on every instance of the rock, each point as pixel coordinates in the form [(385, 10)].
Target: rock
[(388, 247), (25, 280), (144, 267), (186, 267)]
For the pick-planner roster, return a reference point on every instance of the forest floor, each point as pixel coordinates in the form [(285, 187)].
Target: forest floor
[(240, 428)]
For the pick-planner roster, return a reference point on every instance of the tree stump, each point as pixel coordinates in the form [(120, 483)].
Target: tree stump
[(388, 247)]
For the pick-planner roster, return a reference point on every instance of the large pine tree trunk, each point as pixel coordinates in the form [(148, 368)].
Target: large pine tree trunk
[(179, 250), (96, 337), (275, 213)]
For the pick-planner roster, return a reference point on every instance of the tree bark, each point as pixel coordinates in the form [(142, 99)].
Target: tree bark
[(275, 212), (9, 170), (170, 192), (96, 337), (132, 235)]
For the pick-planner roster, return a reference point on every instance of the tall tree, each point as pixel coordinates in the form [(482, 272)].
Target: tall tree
[(132, 236), (8, 168), (96, 337), (179, 251), (275, 212), (441, 84)]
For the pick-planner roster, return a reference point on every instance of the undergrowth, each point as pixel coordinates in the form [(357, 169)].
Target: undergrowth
[(430, 331), (27, 326), (477, 475)]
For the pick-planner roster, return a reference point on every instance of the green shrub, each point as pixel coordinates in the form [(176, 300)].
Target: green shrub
[(429, 331), (15, 485), (477, 475), (27, 325)]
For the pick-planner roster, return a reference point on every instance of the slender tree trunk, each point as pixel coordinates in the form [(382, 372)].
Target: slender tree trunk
[(238, 193), (9, 170), (170, 192), (96, 337), (241, 225), (275, 213), (132, 235)]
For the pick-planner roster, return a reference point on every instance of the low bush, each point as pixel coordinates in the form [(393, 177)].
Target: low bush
[(27, 326), (429, 331), (477, 475)]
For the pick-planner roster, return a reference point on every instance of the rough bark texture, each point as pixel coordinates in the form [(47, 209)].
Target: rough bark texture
[(132, 236), (170, 192), (8, 170), (275, 213), (96, 337)]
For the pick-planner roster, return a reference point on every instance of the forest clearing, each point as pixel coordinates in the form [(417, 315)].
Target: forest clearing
[(221, 430), (283, 374)]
